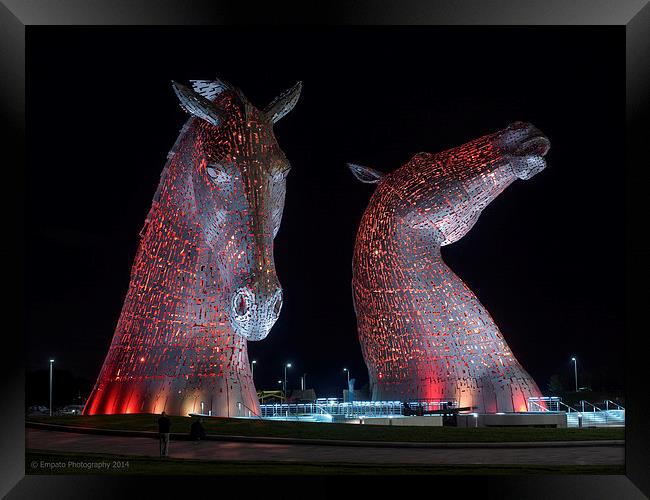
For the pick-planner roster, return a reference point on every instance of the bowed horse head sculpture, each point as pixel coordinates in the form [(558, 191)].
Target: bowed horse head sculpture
[(423, 333), (203, 282), (238, 174)]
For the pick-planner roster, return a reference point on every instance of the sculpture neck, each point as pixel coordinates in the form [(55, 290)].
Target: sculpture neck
[(176, 293)]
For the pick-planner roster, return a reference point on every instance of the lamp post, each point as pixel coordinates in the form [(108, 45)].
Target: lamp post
[(348, 388), (288, 365), (575, 371), (253, 363), (51, 363)]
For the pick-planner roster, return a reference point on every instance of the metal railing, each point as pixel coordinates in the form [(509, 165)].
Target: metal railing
[(609, 401), (589, 414), (548, 403), (568, 408), (582, 403), (333, 407), (292, 409), (541, 404), (251, 413)]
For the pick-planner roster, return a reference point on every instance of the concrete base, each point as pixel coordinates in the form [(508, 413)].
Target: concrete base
[(541, 419), (428, 421)]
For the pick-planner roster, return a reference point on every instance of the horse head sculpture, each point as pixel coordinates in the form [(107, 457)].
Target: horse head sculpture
[(203, 282), (423, 333)]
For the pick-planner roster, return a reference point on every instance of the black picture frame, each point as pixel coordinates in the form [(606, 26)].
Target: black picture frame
[(16, 16)]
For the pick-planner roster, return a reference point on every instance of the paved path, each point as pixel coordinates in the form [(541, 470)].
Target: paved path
[(223, 450)]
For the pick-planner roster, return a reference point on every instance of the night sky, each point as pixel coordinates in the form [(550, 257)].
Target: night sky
[(546, 258)]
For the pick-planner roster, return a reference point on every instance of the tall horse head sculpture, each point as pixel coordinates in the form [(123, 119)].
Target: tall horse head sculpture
[(203, 282), (423, 333)]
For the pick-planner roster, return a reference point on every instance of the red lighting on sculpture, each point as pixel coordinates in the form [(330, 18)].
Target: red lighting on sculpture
[(423, 332), (203, 282)]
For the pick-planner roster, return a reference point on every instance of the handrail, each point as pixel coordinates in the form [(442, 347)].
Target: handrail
[(323, 411), (607, 401), (555, 404), (252, 412), (569, 407), (583, 401), (541, 408)]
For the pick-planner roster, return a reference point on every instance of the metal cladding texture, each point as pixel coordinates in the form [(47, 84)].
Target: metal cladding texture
[(423, 333), (203, 281)]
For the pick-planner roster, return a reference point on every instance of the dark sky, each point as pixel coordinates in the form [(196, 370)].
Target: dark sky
[(546, 258)]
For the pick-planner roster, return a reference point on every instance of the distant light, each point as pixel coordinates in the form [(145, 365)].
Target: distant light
[(345, 369), (573, 359), (254, 361), (51, 361), (288, 365), (279, 381)]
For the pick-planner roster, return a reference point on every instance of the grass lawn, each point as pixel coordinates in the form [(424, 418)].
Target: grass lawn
[(36, 463), (353, 432)]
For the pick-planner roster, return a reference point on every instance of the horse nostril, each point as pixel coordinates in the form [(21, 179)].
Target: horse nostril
[(241, 306), (241, 302)]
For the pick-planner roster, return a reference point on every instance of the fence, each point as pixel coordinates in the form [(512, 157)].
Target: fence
[(604, 414), (333, 407)]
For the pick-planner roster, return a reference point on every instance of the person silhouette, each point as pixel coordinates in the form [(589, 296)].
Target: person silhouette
[(197, 431), (164, 428)]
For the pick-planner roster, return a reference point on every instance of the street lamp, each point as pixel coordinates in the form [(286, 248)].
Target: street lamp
[(284, 388), (348, 372), (51, 363), (575, 371), (253, 363)]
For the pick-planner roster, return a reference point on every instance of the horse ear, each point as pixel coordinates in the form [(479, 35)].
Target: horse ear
[(366, 175), (210, 89), (197, 105), (283, 103)]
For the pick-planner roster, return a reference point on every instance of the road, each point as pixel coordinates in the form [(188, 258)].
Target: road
[(224, 450)]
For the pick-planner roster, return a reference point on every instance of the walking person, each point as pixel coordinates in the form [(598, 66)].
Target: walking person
[(164, 426)]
